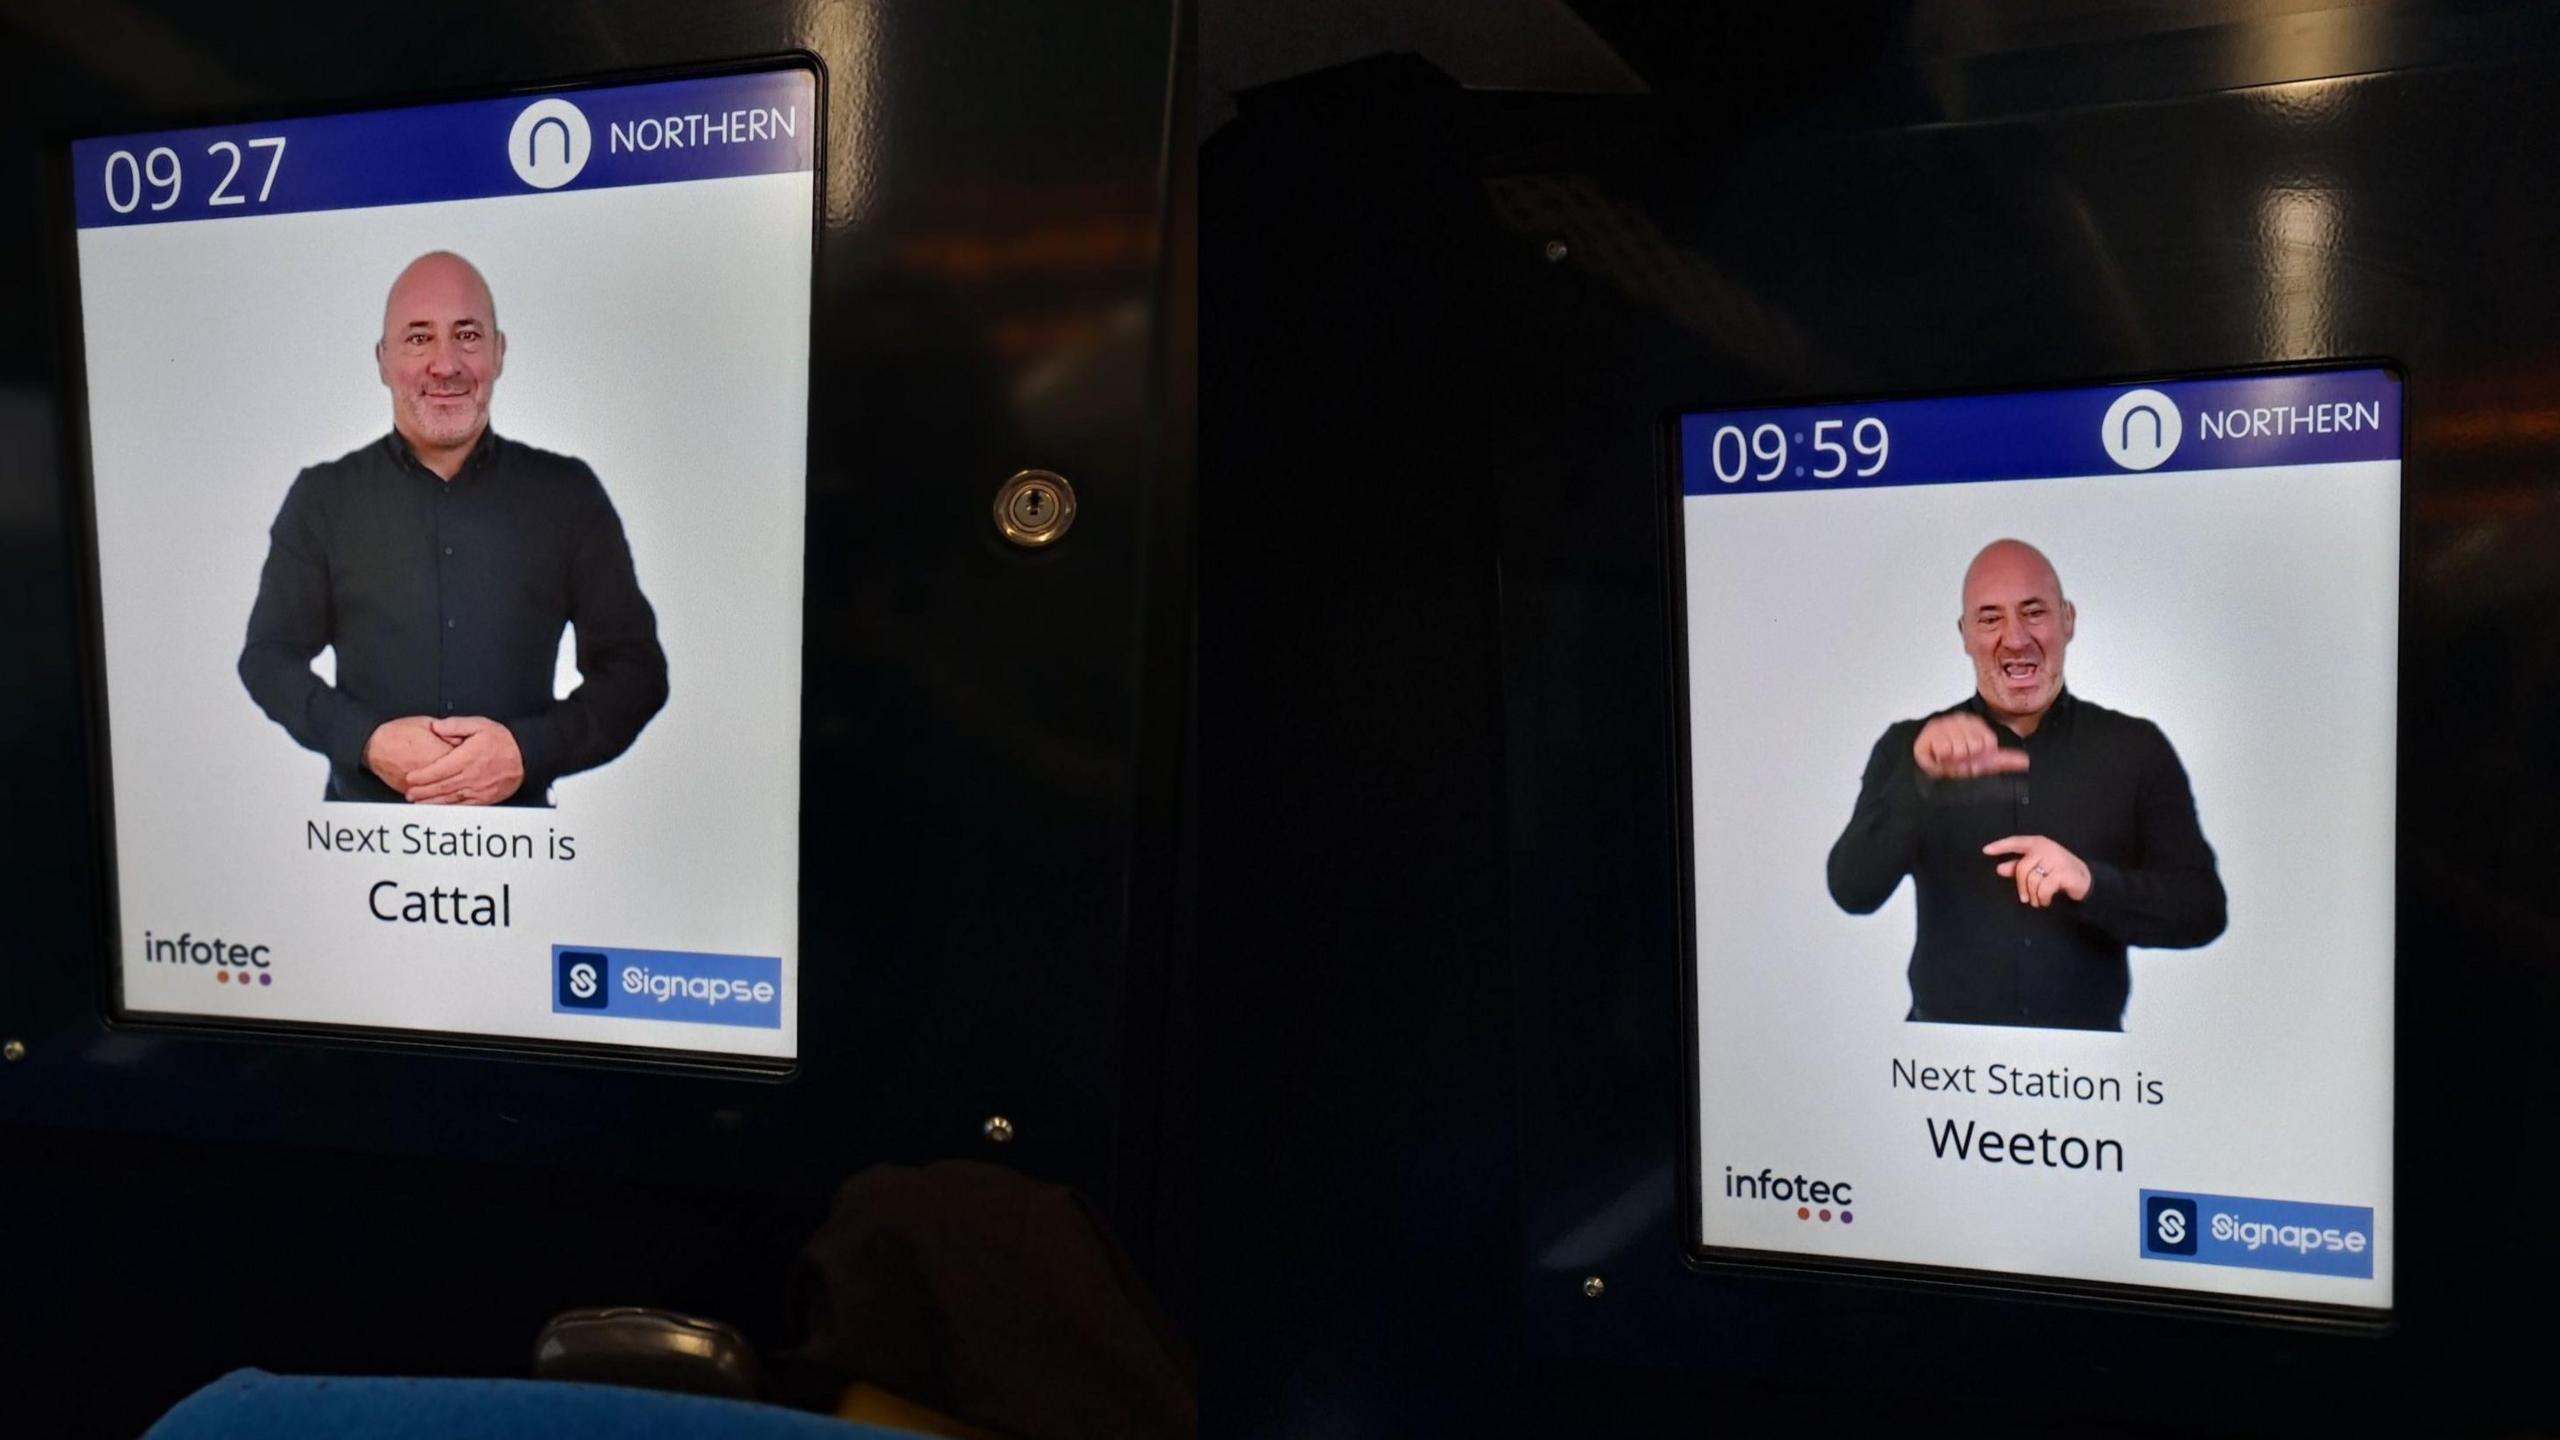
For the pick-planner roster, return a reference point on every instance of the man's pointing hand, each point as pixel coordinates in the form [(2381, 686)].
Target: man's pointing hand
[(483, 768), (1960, 745)]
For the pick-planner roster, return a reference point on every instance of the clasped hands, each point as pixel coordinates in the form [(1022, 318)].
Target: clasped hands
[(1962, 746), (462, 760)]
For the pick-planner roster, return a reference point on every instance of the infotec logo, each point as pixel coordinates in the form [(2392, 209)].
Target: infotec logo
[(2258, 1234), (582, 980), (677, 985), (549, 144), (2142, 429), (1816, 1200), (225, 960)]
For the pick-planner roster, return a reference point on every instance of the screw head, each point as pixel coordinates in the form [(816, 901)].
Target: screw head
[(1556, 250), (1593, 1287), (14, 1051), (998, 1129)]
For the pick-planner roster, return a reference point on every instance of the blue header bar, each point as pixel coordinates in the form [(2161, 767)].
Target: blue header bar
[(756, 124), (2297, 418)]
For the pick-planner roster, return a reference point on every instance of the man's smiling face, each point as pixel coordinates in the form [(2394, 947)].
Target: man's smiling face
[(441, 352), (2016, 625)]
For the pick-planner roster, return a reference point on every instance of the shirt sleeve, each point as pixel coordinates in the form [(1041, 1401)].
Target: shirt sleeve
[(290, 622), (1882, 842), (2172, 897), (623, 671)]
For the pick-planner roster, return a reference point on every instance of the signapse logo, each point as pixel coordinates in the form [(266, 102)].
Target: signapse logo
[(2258, 1234), (619, 983), (582, 980), (2169, 1225)]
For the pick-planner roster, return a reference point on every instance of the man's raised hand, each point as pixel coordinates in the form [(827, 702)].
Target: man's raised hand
[(483, 767), (2042, 869), (1960, 745), (399, 747)]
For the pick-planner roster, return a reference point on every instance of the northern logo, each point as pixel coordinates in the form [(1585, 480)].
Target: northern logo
[(2142, 429), (549, 143)]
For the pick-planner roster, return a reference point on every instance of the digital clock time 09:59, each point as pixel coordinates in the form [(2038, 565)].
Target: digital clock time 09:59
[(1769, 450)]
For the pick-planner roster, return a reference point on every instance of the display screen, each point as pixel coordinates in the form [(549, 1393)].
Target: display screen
[(448, 480), (2040, 755)]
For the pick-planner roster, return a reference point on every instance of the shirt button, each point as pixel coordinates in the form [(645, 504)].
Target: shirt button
[(448, 624), (448, 549)]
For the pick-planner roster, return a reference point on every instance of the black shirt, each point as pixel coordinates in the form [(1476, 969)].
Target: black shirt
[(2104, 786), (446, 597)]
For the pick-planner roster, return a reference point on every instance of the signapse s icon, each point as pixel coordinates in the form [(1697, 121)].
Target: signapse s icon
[(2169, 1226), (549, 144), (582, 980), (2142, 429)]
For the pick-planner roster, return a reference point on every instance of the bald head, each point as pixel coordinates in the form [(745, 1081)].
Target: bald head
[(434, 276), (440, 356), (2008, 566), (2016, 625)]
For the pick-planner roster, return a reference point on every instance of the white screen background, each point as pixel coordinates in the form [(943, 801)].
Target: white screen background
[(2253, 615), (658, 332)]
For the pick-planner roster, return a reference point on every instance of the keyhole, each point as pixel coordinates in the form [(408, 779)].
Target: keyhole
[(1034, 508)]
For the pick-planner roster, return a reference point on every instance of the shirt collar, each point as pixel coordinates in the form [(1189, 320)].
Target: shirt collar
[(2057, 716), (482, 453)]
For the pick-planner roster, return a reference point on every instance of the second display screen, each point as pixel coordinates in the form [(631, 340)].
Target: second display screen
[(2041, 762)]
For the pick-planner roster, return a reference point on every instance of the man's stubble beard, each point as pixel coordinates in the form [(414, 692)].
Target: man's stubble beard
[(443, 433)]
